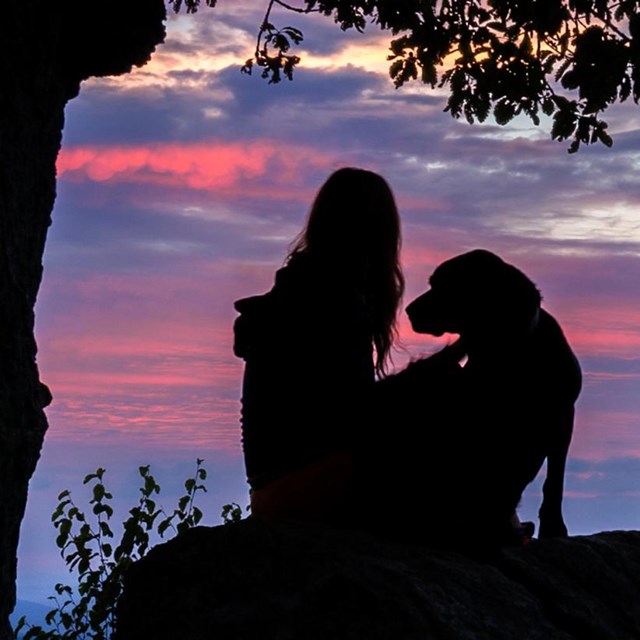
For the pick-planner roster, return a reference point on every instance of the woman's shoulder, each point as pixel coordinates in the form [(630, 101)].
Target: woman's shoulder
[(289, 283), (308, 293), (309, 275), (300, 270)]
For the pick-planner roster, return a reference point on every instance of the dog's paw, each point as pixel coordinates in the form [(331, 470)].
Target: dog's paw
[(552, 528)]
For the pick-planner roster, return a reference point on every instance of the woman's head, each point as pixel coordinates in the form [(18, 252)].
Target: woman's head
[(354, 225)]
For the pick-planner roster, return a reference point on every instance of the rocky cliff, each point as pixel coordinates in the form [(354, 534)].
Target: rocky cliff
[(254, 580)]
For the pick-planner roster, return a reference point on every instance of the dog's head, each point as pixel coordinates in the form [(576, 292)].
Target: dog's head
[(476, 294)]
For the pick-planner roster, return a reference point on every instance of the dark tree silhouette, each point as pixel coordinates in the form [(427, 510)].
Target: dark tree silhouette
[(46, 50), (568, 59)]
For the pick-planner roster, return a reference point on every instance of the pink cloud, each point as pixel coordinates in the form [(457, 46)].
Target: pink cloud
[(596, 324), (152, 355), (199, 166), (141, 357), (602, 434)]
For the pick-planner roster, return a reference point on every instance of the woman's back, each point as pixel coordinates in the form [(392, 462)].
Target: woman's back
[(308, 349)]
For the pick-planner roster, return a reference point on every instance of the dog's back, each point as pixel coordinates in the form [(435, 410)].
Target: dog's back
[(553, 362)]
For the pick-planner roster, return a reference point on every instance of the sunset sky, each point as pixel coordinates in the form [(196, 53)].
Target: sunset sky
[(179, 189)]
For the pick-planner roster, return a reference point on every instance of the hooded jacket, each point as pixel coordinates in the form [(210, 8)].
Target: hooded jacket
[(308, 354)]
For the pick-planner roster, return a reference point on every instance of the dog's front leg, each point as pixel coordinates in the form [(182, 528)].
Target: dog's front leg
[(552, 524)]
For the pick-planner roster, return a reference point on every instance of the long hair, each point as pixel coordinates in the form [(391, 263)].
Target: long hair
[(354, 225)]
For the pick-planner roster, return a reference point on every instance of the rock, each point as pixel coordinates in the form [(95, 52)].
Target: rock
[(255, 580)]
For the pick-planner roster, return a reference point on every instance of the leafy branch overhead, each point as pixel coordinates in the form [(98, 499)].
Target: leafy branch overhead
[(272, 52), (568, 59), (191, 6)]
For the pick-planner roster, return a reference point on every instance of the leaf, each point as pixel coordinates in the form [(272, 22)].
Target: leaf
[(605, 138), (60, 509), (503, 112), (281, 42), (21, 623), (247, 67), (60, 589), (182, 526), (547, 106), (468, 113), (625, 88), (51, 616), (231, 513), (64, 529), (163, 526), (525, 46), (395, 72), (96, 475), (98, 492), (294, 34), (571, 79), (564, 121), (429, 74), (66, 620), (183, 503)]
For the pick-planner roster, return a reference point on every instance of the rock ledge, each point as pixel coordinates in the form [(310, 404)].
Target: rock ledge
[(254, 580)]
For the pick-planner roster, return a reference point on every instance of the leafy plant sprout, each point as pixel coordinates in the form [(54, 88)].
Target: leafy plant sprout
[(86, 543)]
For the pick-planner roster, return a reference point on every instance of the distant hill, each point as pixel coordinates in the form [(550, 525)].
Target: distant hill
[(33, 611)]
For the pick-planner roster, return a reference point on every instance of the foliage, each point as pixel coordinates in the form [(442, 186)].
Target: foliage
[(191, 6), (568, 59), (86, 544), (274, 65)]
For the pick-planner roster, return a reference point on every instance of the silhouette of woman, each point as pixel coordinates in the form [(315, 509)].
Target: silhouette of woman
[(313, 345)]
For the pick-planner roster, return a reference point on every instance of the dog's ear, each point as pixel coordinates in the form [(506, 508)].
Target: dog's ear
[(515, 298), (443, 307), (494, 297), (462, 286)]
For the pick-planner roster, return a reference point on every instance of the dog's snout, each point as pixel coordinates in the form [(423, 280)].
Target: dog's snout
[(421, 315)]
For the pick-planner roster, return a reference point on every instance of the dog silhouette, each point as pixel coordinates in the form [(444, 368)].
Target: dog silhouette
[(521, 378)]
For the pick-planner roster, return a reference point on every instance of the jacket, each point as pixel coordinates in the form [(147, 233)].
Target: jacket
[(308, 354)]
